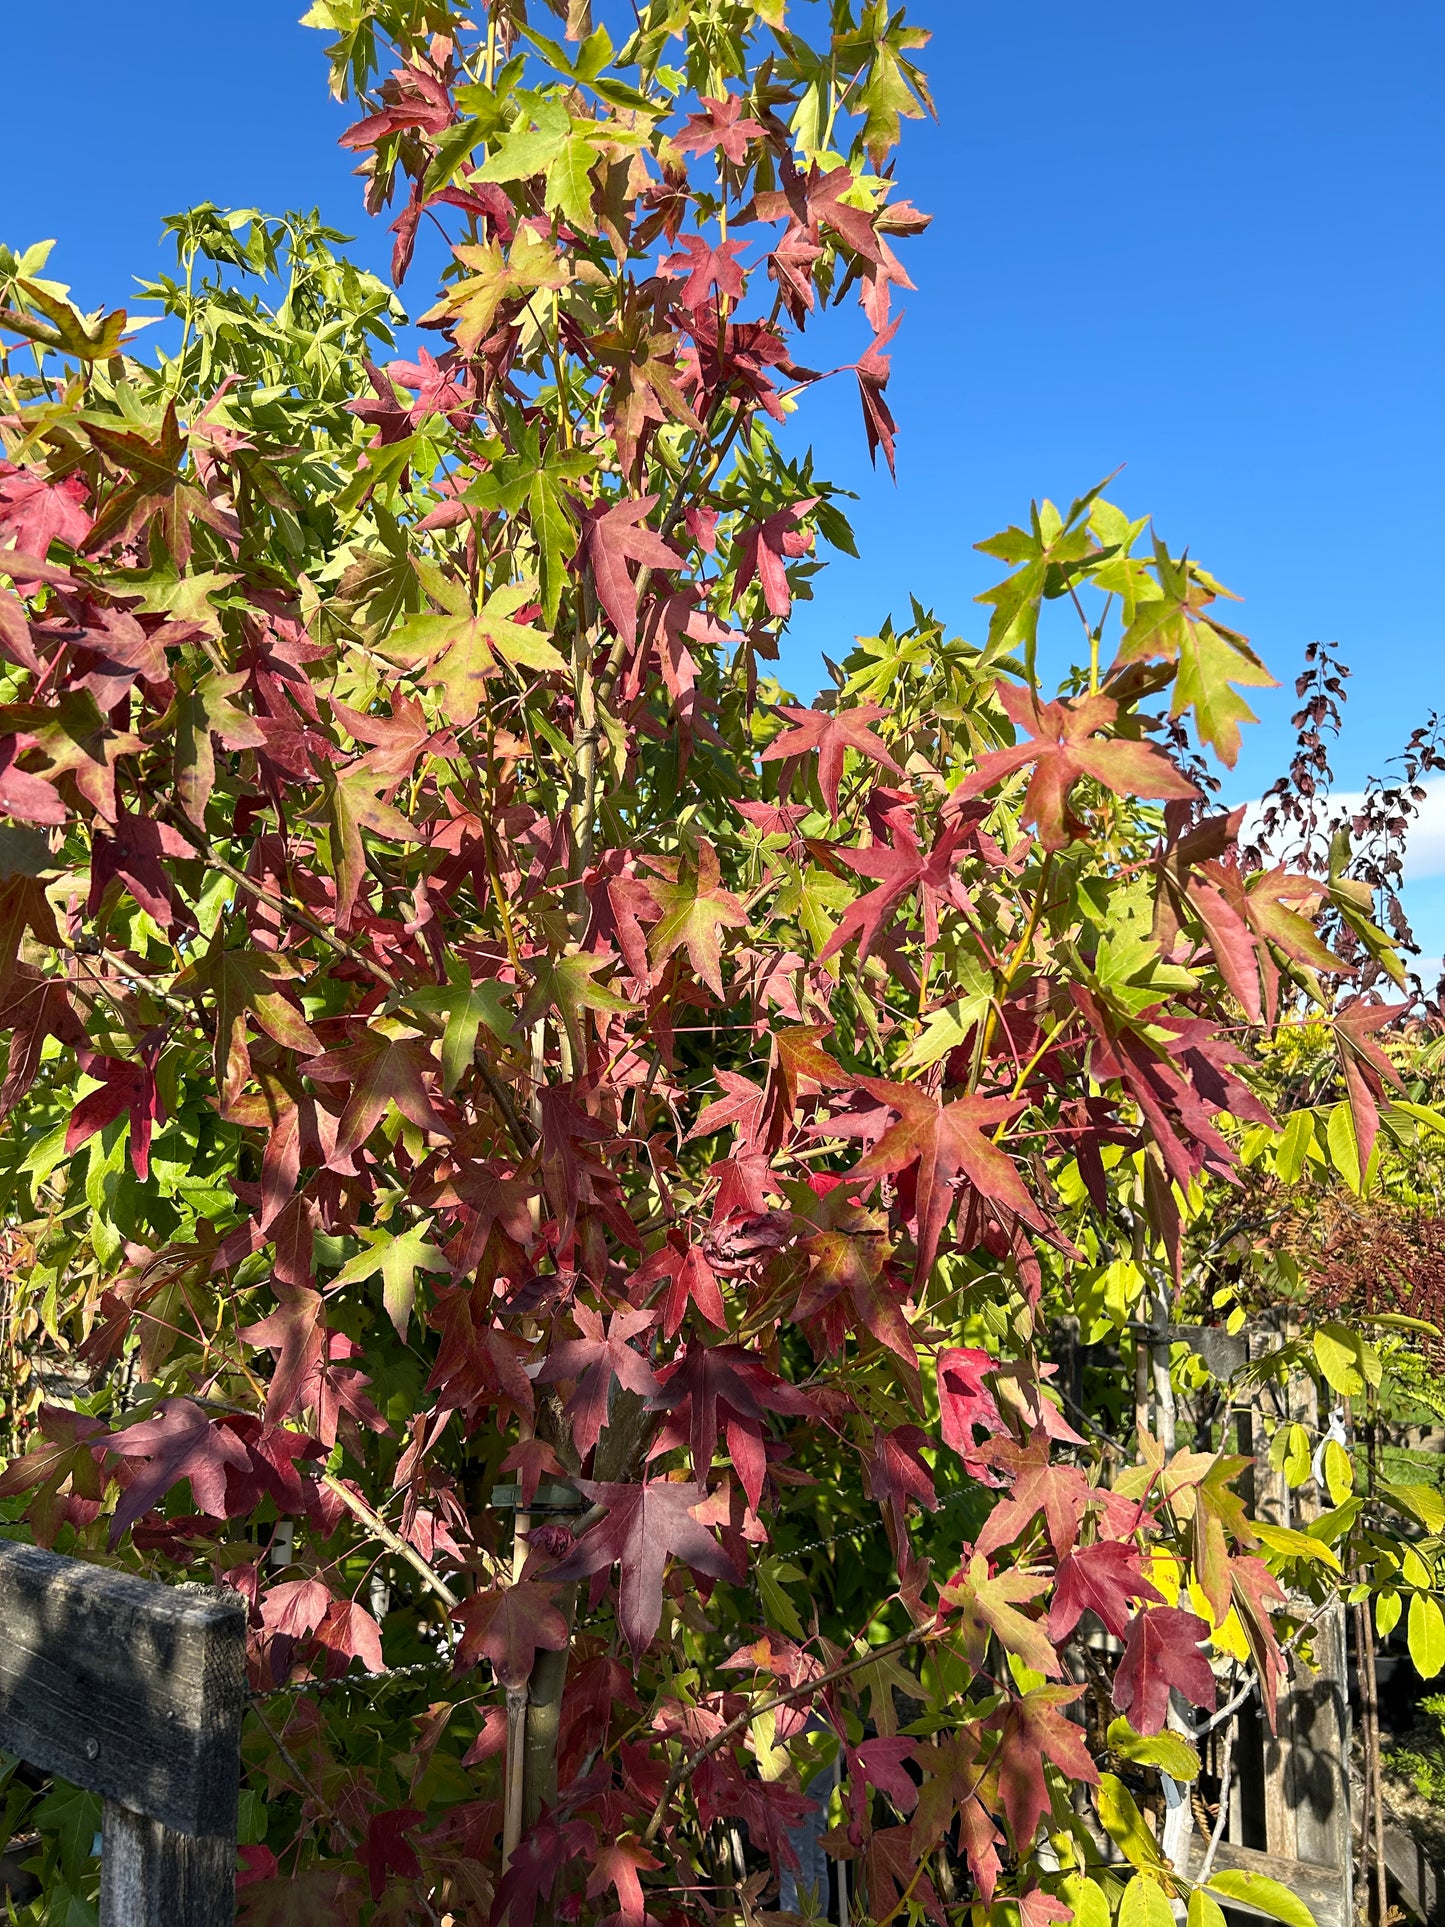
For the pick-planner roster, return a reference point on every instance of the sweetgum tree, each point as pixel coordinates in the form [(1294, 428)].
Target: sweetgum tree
[(537, 1159)]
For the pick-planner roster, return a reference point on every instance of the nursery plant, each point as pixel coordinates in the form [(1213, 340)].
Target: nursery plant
[(547, 1163)]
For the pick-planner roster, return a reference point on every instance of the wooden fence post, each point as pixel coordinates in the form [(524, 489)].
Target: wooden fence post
[(135, 1692)]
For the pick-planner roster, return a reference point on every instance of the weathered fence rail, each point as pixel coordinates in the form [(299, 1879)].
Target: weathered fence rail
[(135, 1692)]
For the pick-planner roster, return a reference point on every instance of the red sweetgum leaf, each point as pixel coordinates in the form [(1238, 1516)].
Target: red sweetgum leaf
[(1101, 1579), (1162, 1650), (965, 1402), (616, 1866), (645, 1524), (380, 1070), (179, 1443), (945, 1142), (830, 733), (1031, 1730), (507, 1625), (386, 1850), (1065, 743), (595, 1361)]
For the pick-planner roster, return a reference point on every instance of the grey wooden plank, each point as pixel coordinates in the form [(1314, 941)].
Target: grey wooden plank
[(1421, 1885), (151, 1876), (1322, 1889), (132, 1690)]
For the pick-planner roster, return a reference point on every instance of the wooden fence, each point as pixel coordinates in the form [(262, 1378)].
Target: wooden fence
[(135, 1692)]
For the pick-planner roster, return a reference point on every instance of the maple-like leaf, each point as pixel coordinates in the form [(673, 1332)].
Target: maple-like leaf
[(398, 1256), (568, 985), (23, 796), (1366, 1068), (129, 1088), (1034, 1483), (36, 510), (132, 852), (78, 741), (724, 1386), (1255, 1593), (594, 1361), (507, 1624), (380, 1070), (1067, 740), (351, 802), (644, 1525), (830, 733), (247, 982), (1101, 1579), (1211, 660), (385, 1850), (499, 276), (691, 1281), (762, 551), (478, 1362), (1163, 1652), (315, 1897), (179, 1443), (695, 909), (701, 266), (847, 1253), (645, 389), (202, 713), (161, 497), (296, 1332), (989, 1603), (614, 538), (945, 1142), (899, 868), (1031, 1730), (965, 1402), (896, 1471), (530, 1458), (462, 649), (720, 127), (616, 1866)]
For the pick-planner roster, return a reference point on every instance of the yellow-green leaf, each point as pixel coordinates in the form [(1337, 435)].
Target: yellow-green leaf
[(1289, 1544), (1144, 1904), (1423, 1502), (1339, 1473), (1170, 1752), (1086, 1897), (1337, 1355), (1267, 1896), (1126, 1825), (1425, 1632)]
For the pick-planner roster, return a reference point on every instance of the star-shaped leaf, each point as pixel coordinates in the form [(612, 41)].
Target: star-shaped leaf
[(398, 1256), (645, 1525), (830, 733), (945, 1142), (507, 1625), (1067, 740), (695, 910)]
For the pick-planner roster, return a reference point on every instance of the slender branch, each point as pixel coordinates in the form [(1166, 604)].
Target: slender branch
[(284, 905), (379, 1529), (1226, 1767)]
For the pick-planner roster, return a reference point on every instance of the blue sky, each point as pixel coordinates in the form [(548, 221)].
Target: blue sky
[(1203, 241)]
